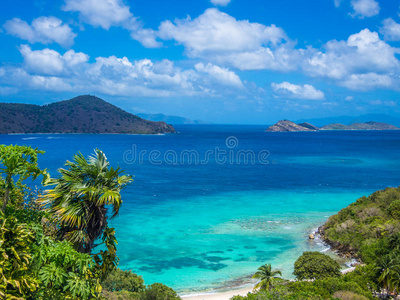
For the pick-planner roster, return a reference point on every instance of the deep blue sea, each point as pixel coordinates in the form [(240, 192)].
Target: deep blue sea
[(212, 203)]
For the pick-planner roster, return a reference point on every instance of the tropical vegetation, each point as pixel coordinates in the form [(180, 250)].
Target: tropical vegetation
[(367, 230), (315, 265), (266, 277), (48, 240)]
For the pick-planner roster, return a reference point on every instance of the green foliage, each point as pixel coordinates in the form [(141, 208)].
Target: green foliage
[(366, 226), (33, 266), (328, 288), (315, 265), (17, 163), (266, 277), (158, 291), (120, 280), (388, 268), (65, 273), (17, 279), (347, 295), (121, 295), (394, 209), (80, 201)]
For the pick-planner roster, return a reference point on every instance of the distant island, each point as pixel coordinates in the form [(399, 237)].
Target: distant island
[(286, 125), (82, 114), (170, 119), (348, 120)]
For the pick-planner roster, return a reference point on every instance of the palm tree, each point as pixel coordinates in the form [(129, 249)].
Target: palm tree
[(81, 199), (389, 268), (266, 276)]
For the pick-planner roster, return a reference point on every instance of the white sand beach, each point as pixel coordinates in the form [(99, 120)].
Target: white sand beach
[(219, 296)]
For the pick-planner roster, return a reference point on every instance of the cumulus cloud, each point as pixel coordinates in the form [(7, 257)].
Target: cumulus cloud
[(108, 13), (216, 32), (101, 13), (47, 69), (220, 37), (368, 81), (365, 8), (44, 30), (147, 37), (390, 30), (293, 91), (363, 52), (50, 62), (220, 2), (219, 74)]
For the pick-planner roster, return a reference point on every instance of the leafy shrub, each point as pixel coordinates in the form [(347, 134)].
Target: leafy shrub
[(394, 209), (158, 291), (34, 266), (119, 280), (315, 265), (346, 295), (17, 279)]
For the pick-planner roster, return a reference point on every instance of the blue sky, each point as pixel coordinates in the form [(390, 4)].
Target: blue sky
[(223, 61)]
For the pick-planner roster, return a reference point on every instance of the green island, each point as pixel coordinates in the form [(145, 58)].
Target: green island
[(56, 242)]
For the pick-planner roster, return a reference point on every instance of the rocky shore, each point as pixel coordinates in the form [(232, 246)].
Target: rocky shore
[(341, 250)]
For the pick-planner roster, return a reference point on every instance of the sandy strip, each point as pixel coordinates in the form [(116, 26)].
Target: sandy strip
[(219, 296), (240, 291)]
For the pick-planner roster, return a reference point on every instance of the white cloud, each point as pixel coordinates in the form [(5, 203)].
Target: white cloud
[(147, 37), (47, 69), (365, 8), (390, 30), (220, 2), (50, 62), (220, 75), (368, 81), (102, 13), (289, 90), (108, 13), (363, 52), (219, 37), (44, 30), (217, 32)]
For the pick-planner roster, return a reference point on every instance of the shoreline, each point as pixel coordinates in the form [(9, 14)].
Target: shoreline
[(235, 291), (242, 291)]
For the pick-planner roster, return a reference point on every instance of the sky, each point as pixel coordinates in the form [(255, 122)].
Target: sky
[(221, 61)]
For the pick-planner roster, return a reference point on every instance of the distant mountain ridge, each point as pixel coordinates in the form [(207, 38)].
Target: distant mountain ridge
[(347, 120), (82, 114), (360, 126), (170, 119), (286, 125)]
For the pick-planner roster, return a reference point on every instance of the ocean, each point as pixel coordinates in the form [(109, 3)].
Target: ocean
[(212, 203)]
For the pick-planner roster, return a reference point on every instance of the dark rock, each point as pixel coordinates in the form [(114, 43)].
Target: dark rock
[(286, 125)]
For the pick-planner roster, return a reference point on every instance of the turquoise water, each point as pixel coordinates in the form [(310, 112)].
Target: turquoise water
[(201, 223)]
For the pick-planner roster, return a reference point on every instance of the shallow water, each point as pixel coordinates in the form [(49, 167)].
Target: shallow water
[(198, 221)]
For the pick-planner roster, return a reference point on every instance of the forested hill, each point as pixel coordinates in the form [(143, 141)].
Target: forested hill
[(82, 114)]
